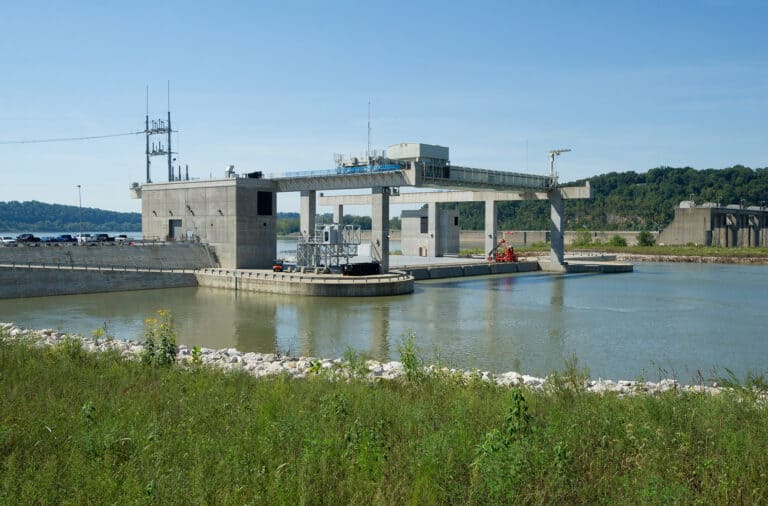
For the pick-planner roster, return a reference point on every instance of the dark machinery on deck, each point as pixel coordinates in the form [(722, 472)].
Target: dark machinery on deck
[(505, 254)]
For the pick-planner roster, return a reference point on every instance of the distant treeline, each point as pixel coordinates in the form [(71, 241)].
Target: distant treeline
[(621, 201), (632, 201), (288, 223), (36, 216)]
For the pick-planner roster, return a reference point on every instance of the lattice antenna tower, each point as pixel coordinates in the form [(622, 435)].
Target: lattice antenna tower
[(157, 131)]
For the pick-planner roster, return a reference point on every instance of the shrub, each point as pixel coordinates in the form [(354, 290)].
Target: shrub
[(582, 239), (617, 241), (645, 238), (412, 363), (160, 340)]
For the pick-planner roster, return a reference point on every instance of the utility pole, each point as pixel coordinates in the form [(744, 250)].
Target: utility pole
[(80, 207)]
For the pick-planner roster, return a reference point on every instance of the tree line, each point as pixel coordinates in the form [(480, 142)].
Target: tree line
[(632, 201)]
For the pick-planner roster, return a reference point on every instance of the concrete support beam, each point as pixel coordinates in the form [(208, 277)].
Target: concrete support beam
[(490, 225), (307, 211), (567, 192), (556, 251), (338, 213), (380, 227), (432, 231)]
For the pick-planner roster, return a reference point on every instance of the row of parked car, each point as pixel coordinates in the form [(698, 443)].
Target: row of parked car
[(63, 238)]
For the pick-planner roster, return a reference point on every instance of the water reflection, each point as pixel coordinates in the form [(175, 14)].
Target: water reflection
[(662, 316), (556, 352)]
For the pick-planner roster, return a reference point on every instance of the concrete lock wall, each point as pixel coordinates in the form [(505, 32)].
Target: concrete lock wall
[(712, 225), (18, 282), (236, 216), (163, 256), (690, 226), (416, 242)]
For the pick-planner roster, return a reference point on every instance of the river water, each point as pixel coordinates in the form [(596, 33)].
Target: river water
[(663, 320)]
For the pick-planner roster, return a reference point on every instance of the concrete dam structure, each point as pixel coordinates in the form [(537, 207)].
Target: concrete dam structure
[(236, 214), (711, 224)]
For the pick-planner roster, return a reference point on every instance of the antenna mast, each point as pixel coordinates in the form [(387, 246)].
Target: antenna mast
[(368, 153)]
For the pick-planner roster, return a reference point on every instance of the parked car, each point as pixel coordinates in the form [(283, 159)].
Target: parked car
[(104, 238), (49, 239), (7, 241), (84, 238), (66, 238), (277, 266), (123, 238), (27, 238)]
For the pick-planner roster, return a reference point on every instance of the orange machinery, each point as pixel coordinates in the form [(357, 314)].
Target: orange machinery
[(507, 254)]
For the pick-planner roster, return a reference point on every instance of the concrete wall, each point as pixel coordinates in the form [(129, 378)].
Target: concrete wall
[(727, 227), (447, 231), (307, 284), (17, 283), (223, 213), (692, 225), (165, 256)]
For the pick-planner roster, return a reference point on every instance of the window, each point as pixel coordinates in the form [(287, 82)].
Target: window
[(424, 224), (455, 221), (264, 203)]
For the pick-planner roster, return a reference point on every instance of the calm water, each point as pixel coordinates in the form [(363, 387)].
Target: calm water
[(663, 319)]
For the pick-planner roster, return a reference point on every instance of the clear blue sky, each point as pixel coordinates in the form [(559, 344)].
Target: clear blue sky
[(629, 85)]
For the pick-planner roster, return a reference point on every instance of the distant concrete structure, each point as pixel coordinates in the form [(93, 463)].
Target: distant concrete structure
[(430, 232), (712, 225), (234, 215)]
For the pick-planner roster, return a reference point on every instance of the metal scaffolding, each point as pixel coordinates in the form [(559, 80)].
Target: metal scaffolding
[(328, 246)]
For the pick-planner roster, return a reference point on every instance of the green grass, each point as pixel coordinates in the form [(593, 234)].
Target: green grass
[(706, 251), (81, 428)]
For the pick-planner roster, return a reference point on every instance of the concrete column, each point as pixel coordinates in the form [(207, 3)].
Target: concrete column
[(556, 250), (338, 213), (490, 225), (380, 227), (307, 213), (432, 231)]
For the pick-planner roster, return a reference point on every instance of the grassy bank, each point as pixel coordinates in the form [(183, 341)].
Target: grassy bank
[(693, 251), (79, 427)]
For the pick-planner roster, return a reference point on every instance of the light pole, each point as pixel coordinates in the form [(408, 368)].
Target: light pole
[(80, 208), (552, 155)]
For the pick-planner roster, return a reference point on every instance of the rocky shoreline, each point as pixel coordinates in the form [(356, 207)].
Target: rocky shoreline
[(268, 364), (633, 257)]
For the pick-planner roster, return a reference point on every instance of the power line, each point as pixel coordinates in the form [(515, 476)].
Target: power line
[(69, 139)]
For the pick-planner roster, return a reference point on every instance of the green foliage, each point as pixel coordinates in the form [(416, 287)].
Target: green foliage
[(160, 340), (116, 432), (412, 363), (354, 363), (631, 201), (645, 239), (572, 379), (617, 241), (582, 239), (197, 355), (37, 216)]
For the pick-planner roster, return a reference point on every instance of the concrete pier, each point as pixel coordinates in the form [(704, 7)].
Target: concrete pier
[(380, 227)]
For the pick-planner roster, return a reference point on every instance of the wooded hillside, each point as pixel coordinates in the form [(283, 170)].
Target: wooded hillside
[(632, 201)]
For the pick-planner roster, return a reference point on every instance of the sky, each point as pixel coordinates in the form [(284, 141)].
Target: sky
[(282, 86)]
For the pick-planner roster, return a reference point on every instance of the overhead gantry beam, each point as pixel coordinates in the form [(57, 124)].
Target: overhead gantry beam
[(491, 198), (567, 192)]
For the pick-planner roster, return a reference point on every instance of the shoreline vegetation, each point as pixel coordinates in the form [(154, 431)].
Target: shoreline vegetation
[(126, 424)]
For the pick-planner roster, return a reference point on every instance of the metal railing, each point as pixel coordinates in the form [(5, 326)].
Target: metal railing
[(341, 171)]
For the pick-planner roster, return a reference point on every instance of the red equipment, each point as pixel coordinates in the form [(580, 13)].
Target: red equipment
[(507, 255)]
